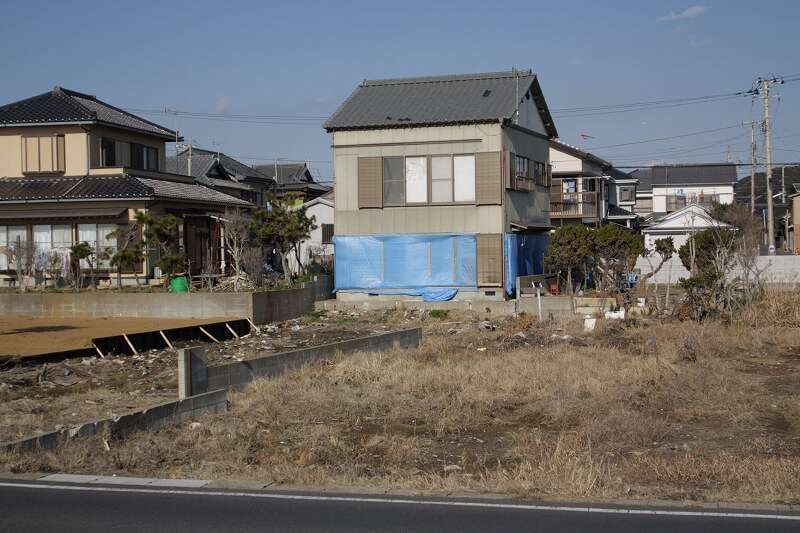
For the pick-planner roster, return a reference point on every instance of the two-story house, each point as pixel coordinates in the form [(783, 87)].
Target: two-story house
[(294, 179), (588, 190), (442, 185), (223, 173), (74, 169), (666, 188)]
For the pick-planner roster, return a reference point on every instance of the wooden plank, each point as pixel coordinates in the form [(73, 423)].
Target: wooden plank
[(163, 336), (209, 335), (130, 344), (231, 330)]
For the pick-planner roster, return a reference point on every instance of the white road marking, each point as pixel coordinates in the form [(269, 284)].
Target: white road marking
[(397, 501)]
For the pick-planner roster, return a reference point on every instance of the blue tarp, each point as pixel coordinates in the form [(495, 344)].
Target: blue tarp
[(433, 266), (524, 253)]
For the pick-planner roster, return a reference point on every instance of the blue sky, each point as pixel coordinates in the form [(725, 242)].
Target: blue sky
[(302, 59)]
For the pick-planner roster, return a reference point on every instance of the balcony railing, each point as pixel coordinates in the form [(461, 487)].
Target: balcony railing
[(573, 204), (675, 202)]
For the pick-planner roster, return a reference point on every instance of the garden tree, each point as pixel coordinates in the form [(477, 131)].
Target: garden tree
[(278, 225), (723, 262), (709, 255), (161, 233), (665, 250), (305, 225), (128, 254), (236, 230), (569, 248), (615, 251), (82, 251)]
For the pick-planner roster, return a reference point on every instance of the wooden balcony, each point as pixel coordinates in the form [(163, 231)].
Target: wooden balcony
[(573, 204)]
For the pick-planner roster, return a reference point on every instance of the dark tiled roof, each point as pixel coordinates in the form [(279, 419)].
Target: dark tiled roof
[(190, 192), (287, 173), (704, 174), (439, 100), (120, 186), (204, 160), (64, 106), (618, 174), (616, 211)]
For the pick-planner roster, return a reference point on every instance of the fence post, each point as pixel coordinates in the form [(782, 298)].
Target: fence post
[(192, 372)]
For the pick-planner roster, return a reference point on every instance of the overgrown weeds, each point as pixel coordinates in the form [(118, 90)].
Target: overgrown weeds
[(503, 404)]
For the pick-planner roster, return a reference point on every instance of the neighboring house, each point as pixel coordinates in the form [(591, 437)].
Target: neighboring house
[(223, 173), (667, 188), (317, 251), (679, 225), (442, 185), (293, 179), (588, 190), (73, 169)]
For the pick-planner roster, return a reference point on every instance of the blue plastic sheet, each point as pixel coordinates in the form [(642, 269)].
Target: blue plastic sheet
[(524, 254), (434, 266)]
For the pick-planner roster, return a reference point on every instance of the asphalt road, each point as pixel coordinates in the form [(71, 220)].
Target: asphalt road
[(49, 506)]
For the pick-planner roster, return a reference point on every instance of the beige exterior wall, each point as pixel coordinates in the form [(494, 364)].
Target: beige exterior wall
[(458, 218), (11, 149)]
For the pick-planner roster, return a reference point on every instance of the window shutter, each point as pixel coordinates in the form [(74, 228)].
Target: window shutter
[(488, 178), (370, 182), (490, 259)]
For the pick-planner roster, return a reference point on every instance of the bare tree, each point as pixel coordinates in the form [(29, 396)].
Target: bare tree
[(236, 230), (21, 255)]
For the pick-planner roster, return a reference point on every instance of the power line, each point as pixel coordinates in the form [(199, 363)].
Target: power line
[(665, 138)]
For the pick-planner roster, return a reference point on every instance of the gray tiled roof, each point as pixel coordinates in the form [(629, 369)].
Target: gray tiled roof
[(65, 106), (119, 186), (287, 173), (616, 211), (439, 100), (204, 160), (702, 174)]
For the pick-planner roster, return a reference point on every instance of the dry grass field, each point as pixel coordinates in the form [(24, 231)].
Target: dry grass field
[(678, 410)]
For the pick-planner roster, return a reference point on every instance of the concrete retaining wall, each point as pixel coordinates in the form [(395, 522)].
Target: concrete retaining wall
[(260, 307), (152, 418), (778, 269), (239, 373)]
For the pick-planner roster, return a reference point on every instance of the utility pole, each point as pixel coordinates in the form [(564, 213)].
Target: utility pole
[(752, 165), (762, 88), (189, 160)]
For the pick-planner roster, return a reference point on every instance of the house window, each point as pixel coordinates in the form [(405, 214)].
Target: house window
[(416, 180), (97, 236), (464, 177), (52, 237), (108, 153), (393, 181), (43, 154), (9, 237), (541, 174), (453, 178), (327, 233), (626, 194), (144, 157), (522, 167), (441, 179)]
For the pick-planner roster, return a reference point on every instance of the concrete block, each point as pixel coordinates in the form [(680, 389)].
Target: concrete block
[(235, 484)]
